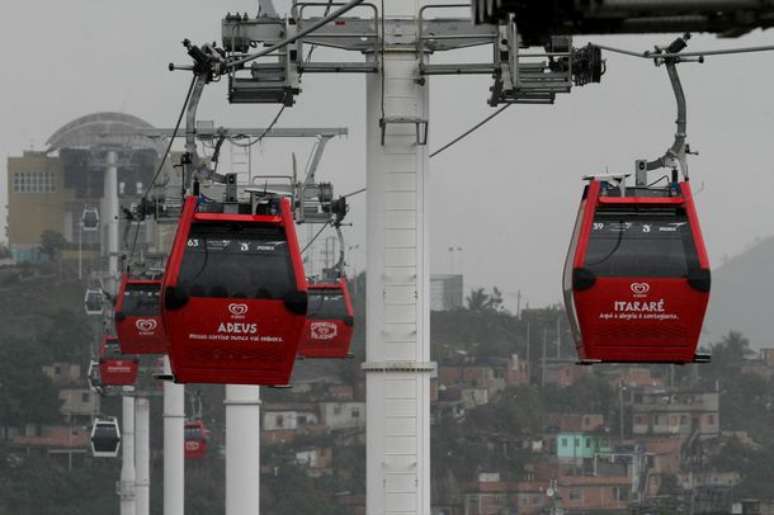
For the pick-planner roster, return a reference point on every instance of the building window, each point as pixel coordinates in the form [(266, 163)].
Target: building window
[(683, 420), (337, 410), (280, 421), (588, 443), (355, 413), (577, 442), (57, 370), (576, 494), (564, 442), (301, 420), (710, 419), (34, 182), (85, 397)]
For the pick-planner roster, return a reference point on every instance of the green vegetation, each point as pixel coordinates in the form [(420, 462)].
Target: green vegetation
[(42, 321)]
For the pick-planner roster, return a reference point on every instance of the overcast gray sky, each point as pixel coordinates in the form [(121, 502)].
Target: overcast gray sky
[(507, 195)]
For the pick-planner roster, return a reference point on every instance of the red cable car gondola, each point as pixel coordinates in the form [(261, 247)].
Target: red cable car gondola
[(637, 276), (195, 440), (138, 317), (329, 320), (114, 368), (234, 294)]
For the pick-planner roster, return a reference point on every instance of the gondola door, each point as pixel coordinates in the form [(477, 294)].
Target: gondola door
[(116, 369), (138, 317), (195, 440), (105, 437), (234, 296), (329, 324), (637, 278)]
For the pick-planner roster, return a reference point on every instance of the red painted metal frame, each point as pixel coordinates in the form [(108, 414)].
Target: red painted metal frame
[(115, 370), (328, 338), (670, 332), (267, 358), (139, 334)]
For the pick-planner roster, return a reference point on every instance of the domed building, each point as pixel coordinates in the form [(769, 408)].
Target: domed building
[(54, 190)]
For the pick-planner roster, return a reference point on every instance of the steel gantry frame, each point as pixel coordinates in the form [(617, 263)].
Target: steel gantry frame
[(397, 39)]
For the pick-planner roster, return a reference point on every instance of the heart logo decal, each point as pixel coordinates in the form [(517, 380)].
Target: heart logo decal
[(146, 325), (323, 330), (237, 310), (640, 288)]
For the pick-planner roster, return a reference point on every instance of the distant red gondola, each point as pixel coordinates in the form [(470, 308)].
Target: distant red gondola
[(114, 368), (637, 276), (195, 440), (138, 317), (328, 330), (234, 294)]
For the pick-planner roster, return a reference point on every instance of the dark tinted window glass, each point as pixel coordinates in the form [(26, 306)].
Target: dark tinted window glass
[(141, 300), (105, 437), (193, 433), (326, 305), (648, 243), (94, 300), (112, 348), (237, 260)]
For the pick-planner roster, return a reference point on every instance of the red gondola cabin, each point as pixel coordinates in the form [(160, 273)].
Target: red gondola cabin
[(329, 320), (138, 317), (115, 369), (234, 294), (637, 277), (195, 440)]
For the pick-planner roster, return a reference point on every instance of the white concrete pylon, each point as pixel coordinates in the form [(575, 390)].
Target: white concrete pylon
[(126, 485), (397, 364), (243, 449), (142, 455), (174, 459)]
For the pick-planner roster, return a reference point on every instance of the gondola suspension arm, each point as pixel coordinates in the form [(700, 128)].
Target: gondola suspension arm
[(679, 149), (670, 57)]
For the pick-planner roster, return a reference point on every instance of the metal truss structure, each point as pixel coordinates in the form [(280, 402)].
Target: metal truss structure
[(519, 76)]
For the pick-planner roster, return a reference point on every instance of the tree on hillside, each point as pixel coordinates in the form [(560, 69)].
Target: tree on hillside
[(67, 337), (727, 356), (480, 301), (734, 348), (26, 394), (51, 244)]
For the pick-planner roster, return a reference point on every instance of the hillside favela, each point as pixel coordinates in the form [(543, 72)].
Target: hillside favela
[(229, 288)]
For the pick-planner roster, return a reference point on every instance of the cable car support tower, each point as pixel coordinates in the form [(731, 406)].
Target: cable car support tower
[(531, 62), (397, 39)]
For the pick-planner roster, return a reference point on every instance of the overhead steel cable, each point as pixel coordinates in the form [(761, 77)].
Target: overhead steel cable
[(282, 44), (648, 54), (315, 237), (263, 134), (162, 162), (471, 130)]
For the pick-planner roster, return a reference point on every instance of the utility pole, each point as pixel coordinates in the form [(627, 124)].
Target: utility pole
[(243, 449), (558, 336), (621, 412), (529, 356), (126, 484), (142, 454), (174, 445), (126, 489), (543, 360)]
